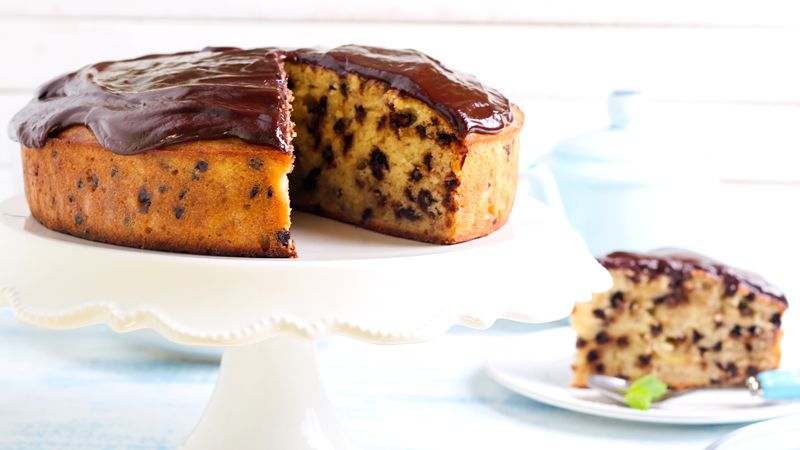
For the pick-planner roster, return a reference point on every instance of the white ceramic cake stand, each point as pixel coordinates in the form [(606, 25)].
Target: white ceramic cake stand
[(268, 312)]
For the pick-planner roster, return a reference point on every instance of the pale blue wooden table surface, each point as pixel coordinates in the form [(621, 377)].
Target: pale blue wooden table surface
[(92, 389)]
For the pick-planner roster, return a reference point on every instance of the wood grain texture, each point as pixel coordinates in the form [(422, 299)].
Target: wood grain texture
[(90, 389)]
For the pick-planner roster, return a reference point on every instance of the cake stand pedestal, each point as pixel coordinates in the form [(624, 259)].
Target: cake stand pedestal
[(267, 313)]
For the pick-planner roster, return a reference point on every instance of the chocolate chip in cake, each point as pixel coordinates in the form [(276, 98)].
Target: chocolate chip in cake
[(71, 198), (409, 194), (415, 175), (717, 347), (731, 369), (381, 122), (451, 182), (602, 338), (736, 331), (423, 134), (752, 371), (644, 360), (283, 237), (427, 160), (775, 319), (162, 189), (580, 343), (450, 201), (310, 180), (182, 194), (269, 192), (676, 340), (343, 89), (696, 336), (144, 200), (322, 106), (79, 184), (754, 330), (748, 346), (338, 127), (361, 113), (406, 213), (623, 342), (750, 297), (444, 139), (256, 163), (201, 166), (617, 299), (254, 191), (715, 381), (78, 218), (378, 163), (114, 172), (744, 309), (731, 285), (600, 368), (424, 200), (347, 142), (703, 350), (179, 210), (366, 214), (94, 182), (401, 120), (592, 356), (656, 329), (327, 155), (599, 313)]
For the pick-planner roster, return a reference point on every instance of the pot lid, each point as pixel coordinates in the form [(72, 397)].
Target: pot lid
[(628, 138)]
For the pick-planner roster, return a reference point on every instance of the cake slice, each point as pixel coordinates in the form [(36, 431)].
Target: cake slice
[(690, 321)]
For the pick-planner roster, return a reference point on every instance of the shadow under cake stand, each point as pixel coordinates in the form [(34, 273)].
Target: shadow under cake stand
[(267, 313)]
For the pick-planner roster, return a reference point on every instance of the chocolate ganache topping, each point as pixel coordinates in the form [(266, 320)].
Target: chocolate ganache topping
[(678, 265), (464, 101), (157, 100)]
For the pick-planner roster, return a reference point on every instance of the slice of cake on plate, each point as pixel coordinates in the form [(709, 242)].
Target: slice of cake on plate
[(688, 320)]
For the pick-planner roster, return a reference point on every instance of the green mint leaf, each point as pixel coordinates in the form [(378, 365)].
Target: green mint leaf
[(655, 386), (639, 397)]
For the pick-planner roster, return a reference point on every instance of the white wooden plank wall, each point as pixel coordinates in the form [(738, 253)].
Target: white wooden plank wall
[(724, 75)]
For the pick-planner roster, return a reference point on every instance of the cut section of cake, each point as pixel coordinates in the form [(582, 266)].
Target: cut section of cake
[(196, 151), (688, 320), (377, 146)]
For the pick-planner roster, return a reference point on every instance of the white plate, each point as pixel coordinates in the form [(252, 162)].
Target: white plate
[(775, 434), (536, 366)]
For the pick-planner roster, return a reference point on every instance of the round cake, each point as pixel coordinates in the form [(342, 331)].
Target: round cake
[(199, 152)]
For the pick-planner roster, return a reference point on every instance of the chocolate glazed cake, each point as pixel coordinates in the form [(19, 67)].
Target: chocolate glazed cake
[(690, 321), (198, 151)]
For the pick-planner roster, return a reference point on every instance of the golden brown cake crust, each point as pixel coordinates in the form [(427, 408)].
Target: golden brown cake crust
[(220, 197)]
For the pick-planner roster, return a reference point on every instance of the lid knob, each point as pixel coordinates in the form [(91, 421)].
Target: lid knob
[(624, 107)]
